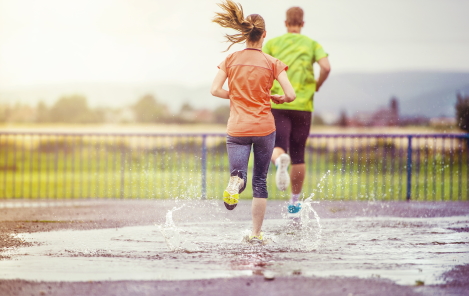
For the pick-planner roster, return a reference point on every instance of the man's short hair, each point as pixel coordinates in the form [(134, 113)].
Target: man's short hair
[(295, 16)]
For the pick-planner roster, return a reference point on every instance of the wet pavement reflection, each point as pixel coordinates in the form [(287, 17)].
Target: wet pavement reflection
[(402, 249)]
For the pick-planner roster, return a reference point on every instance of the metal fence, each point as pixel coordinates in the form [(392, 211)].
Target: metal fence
[(339, 167)]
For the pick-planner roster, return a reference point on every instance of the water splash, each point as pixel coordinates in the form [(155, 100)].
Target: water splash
[(172, 235), (304, 230)]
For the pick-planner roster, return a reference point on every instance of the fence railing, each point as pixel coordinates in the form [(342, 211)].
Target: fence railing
[(339, 167)]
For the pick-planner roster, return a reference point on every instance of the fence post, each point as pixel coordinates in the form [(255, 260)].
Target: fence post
[(123, 156), (409, 167), (204, 166)]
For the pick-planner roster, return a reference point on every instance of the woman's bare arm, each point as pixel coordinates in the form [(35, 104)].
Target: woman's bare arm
[(217, 86), (287, 90)]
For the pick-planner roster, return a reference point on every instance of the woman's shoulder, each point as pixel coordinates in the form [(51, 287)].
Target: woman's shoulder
[(233, 55), (271, 58)]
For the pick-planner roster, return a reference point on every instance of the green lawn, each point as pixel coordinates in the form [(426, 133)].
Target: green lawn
[(110, 175), (72, 167)]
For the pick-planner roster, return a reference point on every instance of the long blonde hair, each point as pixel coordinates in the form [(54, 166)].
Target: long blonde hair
[(250, 28)]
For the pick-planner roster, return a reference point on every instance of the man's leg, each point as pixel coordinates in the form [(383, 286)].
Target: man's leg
[(277, 152), (302, 120), (297, 176)]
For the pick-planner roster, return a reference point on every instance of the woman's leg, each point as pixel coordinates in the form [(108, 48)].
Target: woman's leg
[(239, 149), (258, 212), (263, 147)]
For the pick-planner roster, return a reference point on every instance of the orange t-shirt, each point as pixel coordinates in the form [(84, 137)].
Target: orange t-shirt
[(251, 74)]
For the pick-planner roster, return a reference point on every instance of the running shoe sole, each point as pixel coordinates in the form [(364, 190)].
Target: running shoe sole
[(230, 200), (282, 178)]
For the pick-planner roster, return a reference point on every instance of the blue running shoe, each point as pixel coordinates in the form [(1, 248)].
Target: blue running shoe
[(293, 209)]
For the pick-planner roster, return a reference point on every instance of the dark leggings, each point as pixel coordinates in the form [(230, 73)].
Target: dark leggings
[(292, 132), (239, 150)]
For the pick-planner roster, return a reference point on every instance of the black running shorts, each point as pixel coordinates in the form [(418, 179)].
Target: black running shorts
[(292, 132)]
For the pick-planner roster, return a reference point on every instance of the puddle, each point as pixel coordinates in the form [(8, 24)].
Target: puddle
[(404, 250)]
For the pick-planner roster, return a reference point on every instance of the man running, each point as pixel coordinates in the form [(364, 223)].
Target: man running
[(293, 120)]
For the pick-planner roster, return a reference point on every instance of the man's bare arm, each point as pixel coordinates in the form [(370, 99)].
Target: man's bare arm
[(325, 69)]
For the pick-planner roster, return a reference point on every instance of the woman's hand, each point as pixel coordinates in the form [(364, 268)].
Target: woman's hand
[(277, 99)]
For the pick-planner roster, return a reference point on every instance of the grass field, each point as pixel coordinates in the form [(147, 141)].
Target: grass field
[(71, 167)]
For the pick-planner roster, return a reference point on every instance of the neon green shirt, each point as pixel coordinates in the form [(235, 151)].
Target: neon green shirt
[(299, 53)]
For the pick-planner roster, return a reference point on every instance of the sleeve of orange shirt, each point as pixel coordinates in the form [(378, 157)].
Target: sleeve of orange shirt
[(222, 66), (279, 66)]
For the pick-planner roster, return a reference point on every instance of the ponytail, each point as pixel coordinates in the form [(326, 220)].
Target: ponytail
[(250, 29)]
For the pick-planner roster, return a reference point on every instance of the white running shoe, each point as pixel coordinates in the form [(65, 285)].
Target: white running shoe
[(282, 178)]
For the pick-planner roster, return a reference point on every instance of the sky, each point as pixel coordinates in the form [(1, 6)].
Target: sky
[(50, 42)]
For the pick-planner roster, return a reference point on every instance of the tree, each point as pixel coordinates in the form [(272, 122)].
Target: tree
[(221, 114), (343, 120), (186, 107), (317, 120), (462, 112), (72, 109), (42, 113), (147, 110), (4, 110)]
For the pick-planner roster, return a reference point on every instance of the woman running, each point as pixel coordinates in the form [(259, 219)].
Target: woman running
[(250, 74)]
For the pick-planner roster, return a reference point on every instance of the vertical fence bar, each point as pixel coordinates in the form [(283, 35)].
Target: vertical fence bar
[(409, 167), (14, 167), (467, 165), (122, 179), (31, 155), (98, 167), (451, 164), (47, 147), (392, 152), (5, 167), (129, 163), (39, 166), (139, 165), (417, 167), (116, 150), (23, 151), (88, 150), (460, 170), (435, 150), (401, 145), (376, 168), (65, 172), (155, 165), (204, 166), (425, 193), (335, 151), (442, 167), (56, 164), (80, 167)]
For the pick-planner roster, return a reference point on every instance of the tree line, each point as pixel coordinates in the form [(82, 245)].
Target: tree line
[(75, 109)]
